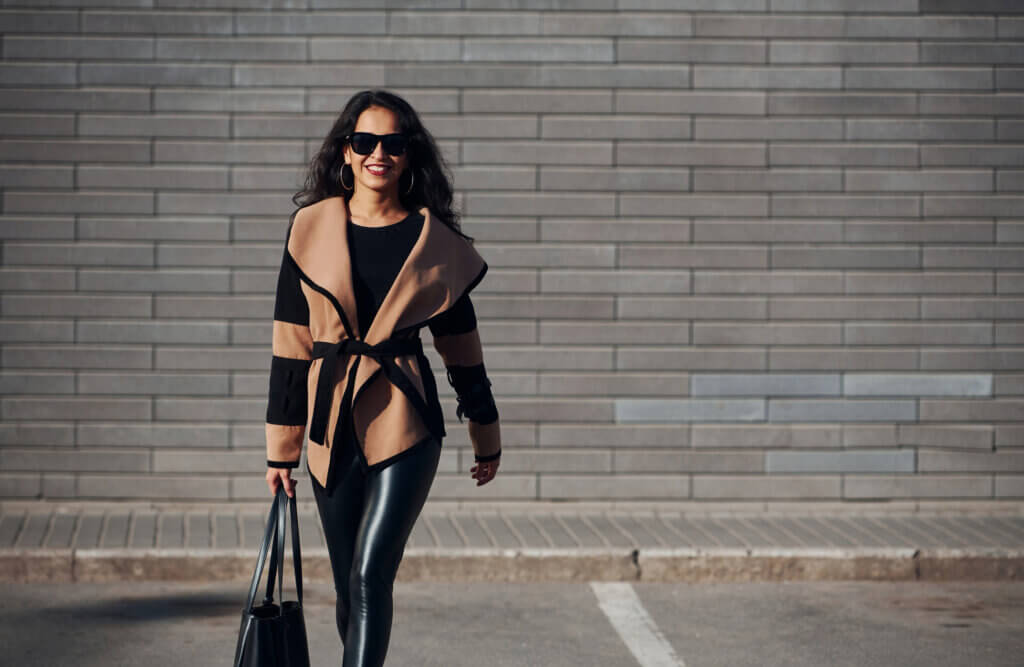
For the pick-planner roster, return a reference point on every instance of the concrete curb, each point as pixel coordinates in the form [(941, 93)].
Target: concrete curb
[(712, 565)]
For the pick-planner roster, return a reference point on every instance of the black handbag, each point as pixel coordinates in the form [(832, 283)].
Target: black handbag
[(274, 635)]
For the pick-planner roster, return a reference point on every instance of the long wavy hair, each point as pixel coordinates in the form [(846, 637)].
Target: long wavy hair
[(432, 185)]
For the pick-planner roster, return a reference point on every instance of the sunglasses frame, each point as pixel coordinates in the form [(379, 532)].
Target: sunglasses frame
[(379, 138)]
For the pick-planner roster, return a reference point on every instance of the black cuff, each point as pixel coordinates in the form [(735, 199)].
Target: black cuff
[(282, 464), (473, 393), (489, 457)]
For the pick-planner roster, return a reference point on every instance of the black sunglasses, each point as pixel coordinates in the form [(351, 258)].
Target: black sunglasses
[(364, 142)]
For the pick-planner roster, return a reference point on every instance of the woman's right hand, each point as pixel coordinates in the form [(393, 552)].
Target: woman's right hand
[(276, 476)]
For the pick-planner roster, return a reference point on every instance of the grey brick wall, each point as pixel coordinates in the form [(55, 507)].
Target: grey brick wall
[(740, 249)]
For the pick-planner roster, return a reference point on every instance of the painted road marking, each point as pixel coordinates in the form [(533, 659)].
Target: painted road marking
[(621, 605)]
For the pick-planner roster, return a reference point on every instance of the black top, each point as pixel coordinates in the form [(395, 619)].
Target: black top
[(378, 254)]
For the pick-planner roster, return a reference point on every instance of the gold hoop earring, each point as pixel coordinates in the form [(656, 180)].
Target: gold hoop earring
[(342, 177)]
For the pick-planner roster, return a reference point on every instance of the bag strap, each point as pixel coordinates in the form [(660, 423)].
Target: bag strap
[(277, 553), (264, 547)]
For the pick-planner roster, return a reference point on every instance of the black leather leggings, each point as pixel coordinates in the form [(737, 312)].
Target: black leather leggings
[(367, 522)]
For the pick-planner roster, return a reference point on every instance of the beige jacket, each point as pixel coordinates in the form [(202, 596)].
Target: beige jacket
[(327, 374)]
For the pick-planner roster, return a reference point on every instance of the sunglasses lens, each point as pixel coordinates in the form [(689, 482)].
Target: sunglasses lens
[(394, 144), (364, 143)]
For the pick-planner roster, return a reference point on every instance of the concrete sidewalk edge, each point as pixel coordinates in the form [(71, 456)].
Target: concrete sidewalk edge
[(710, 565)]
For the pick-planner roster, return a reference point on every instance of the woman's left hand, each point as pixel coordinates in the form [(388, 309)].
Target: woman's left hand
[(484, 471)]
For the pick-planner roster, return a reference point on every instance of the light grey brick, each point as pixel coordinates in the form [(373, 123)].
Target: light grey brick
[(947, 436), (690, 51), (618, 282), (77, 48), (695, 5), (76, 356), (65, 460), (154, 487), (773, 333), (804, 487), (110, 434), (154, 125), (28, 433), (151, 331), (164, 228), (974, 257), (916, 384), (845, 6), (785, 410), (842, 103), (75, 305), (986, 53), (690, 358), (686, 410), (605, 384), (768, 25), (655, 460), (768, 128), (707, 256), (720, 76), (212, 358), (1010, 78), (621, 126), (153, 74), (16, 227), (329, 22), (233, 49), (939, 461), (1009, 486), (918, 130), (12, 382), (945, 231), (845, 256), (538, 101), (692, 307), (30, 280), (767, 180), (1010, 27), (842, 154), (605, 333), (20, 485), (766, 282), (841, 51), (156, 280), (879, 460), (923, 282), (843, 308), (26, 253), (917, 486), (920, 27), (918, 78), (618, 486), (843, 358), (846, 205), (937, 180), (1006, 155), (963, 104), (156, 22), (771, 230), (977, 206), (136, 384), (764, 384), (37, 331), (1006, 409), (724, 205), (611, 178), (76, 408), (691, 102)]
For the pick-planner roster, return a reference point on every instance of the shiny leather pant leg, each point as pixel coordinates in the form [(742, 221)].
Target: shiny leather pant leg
[(367, 523)]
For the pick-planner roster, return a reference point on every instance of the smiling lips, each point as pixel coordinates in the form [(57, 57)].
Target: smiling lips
[(378, 170)]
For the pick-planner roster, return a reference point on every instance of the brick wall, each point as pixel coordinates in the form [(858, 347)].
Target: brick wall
[(739, 249)]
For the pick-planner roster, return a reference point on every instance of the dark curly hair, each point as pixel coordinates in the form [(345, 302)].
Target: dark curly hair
[(432, 184)]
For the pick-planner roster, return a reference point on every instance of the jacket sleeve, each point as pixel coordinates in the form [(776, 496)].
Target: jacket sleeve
[(457, 340), (292, 352)]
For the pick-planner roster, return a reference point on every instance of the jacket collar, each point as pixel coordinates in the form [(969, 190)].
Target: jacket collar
[(331, 229)]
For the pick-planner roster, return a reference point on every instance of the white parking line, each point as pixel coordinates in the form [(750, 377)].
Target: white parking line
[(621, 605)]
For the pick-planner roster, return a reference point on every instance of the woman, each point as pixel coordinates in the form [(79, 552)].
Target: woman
[(373, 254)]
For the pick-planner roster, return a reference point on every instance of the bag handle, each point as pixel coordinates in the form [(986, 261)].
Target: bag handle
[(264, 547), (277, 554)]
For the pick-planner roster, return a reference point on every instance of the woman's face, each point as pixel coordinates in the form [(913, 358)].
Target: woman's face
[(380, 121)]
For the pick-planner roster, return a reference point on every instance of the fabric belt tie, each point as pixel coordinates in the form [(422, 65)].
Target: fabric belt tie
[(384, 353)]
